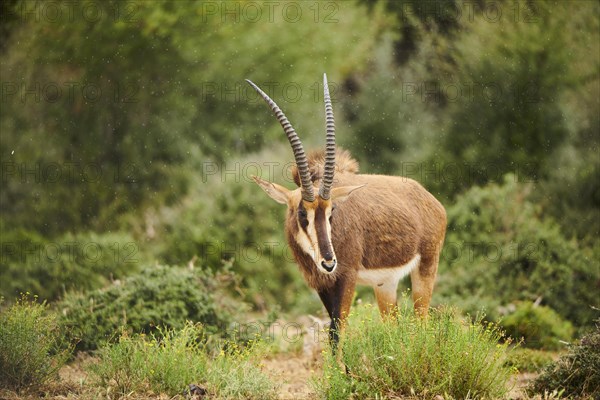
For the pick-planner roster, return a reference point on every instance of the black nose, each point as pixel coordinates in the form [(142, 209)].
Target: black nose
[(328, 266)]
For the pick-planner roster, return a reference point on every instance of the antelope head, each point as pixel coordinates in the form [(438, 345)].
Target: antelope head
[(311, 214)]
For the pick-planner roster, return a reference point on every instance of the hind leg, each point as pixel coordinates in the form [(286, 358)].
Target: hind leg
[(422, 281), (387, 297)]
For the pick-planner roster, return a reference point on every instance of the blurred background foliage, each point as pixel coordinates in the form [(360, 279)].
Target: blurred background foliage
[(128, 138)]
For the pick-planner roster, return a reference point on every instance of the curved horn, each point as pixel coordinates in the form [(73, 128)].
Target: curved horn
[(301, 163), (329, 169)]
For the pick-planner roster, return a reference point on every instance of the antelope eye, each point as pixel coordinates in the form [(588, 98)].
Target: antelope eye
[(302, 218)]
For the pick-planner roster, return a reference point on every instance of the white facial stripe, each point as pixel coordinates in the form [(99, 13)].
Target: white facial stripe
[(308, 240), (308, 243), (327, 215)]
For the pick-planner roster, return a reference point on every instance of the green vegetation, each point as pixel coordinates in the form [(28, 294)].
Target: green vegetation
[(129, 138), (236, 225), (151, 148), (540, 327), (82, 261), (141, 117), (500, 248), (159, 296), (524, 81), (146, 364), (576, 374), (32, 349), (528, 360), (443, 355)]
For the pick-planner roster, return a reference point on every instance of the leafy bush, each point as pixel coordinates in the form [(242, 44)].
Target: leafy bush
[(157, 296), (31, 351), (540, 326), (135, 141), (237, 222), (142, 364), (396, 117), (528, 360), (577, 373), (572, 193), (439, 356), (80, 261), (500, 248), (513, 118), (391, 130)]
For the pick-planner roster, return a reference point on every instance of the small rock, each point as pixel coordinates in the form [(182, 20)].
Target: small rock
[(198, 392)]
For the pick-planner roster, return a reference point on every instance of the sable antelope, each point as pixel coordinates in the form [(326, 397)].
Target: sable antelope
[(359, 229)]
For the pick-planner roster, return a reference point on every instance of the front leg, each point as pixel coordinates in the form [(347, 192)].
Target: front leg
[(337, 299)]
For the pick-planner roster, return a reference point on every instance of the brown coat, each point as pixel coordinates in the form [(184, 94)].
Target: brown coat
[(382, 225)]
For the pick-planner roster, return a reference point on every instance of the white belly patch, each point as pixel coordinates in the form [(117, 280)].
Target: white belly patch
[(378, 277)]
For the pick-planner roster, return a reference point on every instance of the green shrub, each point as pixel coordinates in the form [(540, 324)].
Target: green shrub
[(143, 364), (157, 296), (409, 356), (540, 326), (528, 360), (81, 261), (515, 118), (237, 222), (31, 349), (390, 133), (500, 249), (576, 373), (139, 141), (572, 193)]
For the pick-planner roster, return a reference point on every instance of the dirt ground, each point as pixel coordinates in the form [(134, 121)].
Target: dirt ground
[(294, 373), (295, 370)]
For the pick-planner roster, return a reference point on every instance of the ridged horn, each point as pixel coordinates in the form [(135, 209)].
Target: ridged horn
[(329, 168), (301, 163)]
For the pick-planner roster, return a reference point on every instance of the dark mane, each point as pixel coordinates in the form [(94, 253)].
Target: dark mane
[(344, 163)]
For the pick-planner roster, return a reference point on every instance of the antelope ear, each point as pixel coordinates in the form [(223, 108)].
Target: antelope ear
[(275, 191), (340, 194)]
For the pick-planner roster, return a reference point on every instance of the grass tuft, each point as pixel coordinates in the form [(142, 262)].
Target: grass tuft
[(443, 355), (529, 360), (170, 362), (577, 373), (31, 351)]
